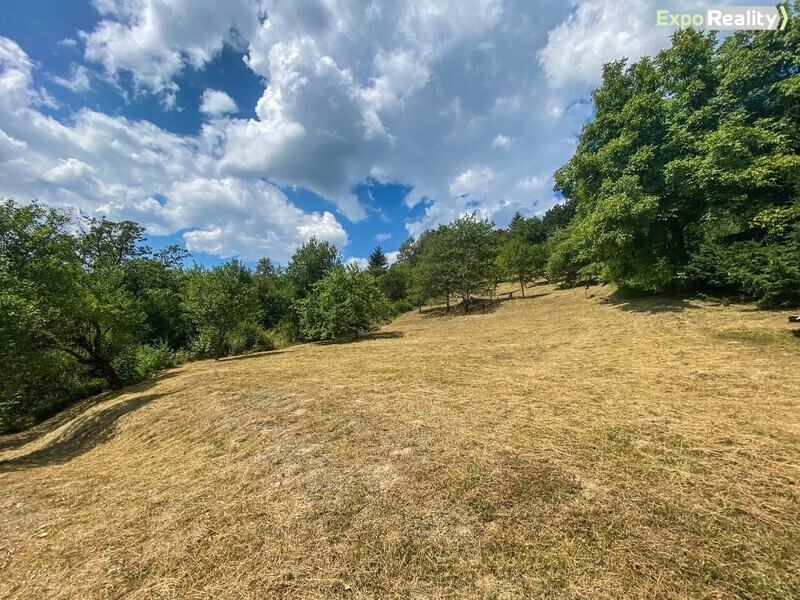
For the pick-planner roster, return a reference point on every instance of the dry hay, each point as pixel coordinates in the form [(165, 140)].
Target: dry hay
[(553, 446)]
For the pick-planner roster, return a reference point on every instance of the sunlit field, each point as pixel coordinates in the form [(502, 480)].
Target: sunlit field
[(553, 446)]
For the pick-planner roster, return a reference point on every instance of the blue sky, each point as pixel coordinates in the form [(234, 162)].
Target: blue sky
[(241, 128)]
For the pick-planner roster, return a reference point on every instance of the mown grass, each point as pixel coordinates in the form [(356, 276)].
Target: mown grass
[(553, 446)]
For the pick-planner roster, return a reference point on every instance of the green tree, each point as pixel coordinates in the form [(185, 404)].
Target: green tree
[(378, 263), (455, 259), (155, 283), (108, 244), (530, 231), (274, 293), (558, 216), (395, 282), (685, 158), (345, 303), (311, 263), (218, 301), (470, 253), (435, 269), (566, 256), (539, 258), (66, 298), (516, 261), (37, 262)]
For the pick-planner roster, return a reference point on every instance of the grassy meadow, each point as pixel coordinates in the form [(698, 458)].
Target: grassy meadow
[(556, 446)]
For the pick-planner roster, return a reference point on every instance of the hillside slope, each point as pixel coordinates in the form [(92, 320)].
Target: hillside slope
[(555, 445)]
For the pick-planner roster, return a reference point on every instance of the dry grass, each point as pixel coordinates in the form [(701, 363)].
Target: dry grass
[(555, 446)]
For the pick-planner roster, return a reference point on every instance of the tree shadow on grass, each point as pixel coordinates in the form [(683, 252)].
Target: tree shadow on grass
[(18, 439), (477, 306), (532, 296), (648, 304), (251, 355), (376, 335), (87, 430)]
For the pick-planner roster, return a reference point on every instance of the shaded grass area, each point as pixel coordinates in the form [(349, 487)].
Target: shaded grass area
[(557, 446)]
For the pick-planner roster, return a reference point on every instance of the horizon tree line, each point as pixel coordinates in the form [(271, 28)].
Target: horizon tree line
[(687, 178)]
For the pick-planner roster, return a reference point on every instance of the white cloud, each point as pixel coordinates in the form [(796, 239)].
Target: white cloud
[(362, 263), (105, 165), (68, 171), (475, 182), (599, 31), (414, 92), (250, 219), (17, 90), (501, 141), (382, 237), (216, 103), (154, 40), (472, 103), (79, 80)]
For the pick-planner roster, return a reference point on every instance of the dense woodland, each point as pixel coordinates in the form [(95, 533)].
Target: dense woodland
[(686, 179)]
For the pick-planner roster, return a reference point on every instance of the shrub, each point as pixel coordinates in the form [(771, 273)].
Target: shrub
[(143, 361), (45, 384), (402, 306), (154, 358), (345, 303), (249, 337), (281, 337)]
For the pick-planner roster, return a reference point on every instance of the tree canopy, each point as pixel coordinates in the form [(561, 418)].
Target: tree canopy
[(346, 302), (687, 176)]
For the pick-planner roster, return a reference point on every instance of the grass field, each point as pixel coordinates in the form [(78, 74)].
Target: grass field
[(555, 446)]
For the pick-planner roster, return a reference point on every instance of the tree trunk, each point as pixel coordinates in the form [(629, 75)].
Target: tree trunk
[(220, 344), (104, 366), (96, 361), (522, 286)]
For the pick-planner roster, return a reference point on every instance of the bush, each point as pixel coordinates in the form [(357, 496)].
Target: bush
[(154, 358), (45, 384), (281, 337), (143, 361), (402, 306), (249, 338), (345, 303)]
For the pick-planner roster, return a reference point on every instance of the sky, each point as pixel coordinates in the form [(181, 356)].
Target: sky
[(242, 128)]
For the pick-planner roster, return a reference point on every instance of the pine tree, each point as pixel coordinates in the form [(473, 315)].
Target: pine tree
[(378, 263)]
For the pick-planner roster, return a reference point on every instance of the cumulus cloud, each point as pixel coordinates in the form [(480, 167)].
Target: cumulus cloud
[(501, 141), (17, 89), (79, 80), (599, 31), (215, 103), (475, 182), (154, 40), (361, 262), (472, 104), (230, 217), (104, 165)]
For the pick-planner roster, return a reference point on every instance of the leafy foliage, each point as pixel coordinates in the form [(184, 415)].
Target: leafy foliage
[(311, 263), (217, 301), (516, 260), (687, 177), (345, 303)]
